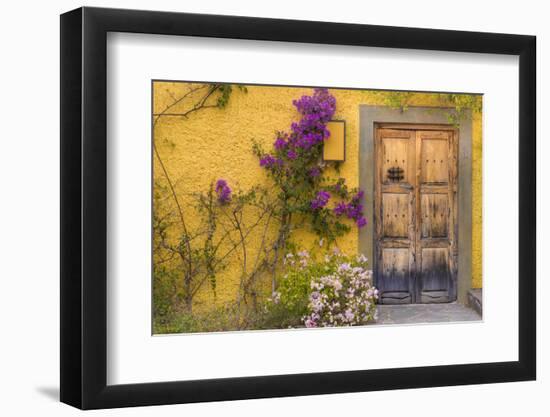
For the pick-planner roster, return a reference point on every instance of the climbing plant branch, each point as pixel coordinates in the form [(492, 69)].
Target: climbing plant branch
[(196, 259)]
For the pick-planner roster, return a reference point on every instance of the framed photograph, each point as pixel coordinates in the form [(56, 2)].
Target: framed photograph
[(257, 208)]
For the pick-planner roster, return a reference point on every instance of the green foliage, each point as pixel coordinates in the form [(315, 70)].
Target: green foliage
[(397, 99), (225, 318), (208, 208), (292, 304), (165, 292), (458, 104), (295, 189), (289, 304), (188, 256), (197, 255), (461, 104), (225, 91)]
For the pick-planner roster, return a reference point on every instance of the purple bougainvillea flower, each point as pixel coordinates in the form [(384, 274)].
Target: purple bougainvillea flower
[(316, 111), (224, 191), (341, 208), (291, 154), (280, 143), (361, 222), (314, 172), (354, 211), (321, 105), (320, 200), (268, 161)]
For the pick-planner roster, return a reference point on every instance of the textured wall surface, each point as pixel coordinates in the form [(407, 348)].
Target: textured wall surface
[(477, 189), (217, 143)]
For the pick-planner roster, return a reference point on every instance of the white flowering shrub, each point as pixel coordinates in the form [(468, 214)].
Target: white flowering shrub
[(337, 291), (344, 296)]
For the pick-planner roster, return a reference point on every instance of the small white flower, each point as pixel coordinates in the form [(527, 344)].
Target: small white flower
[(362, 258)]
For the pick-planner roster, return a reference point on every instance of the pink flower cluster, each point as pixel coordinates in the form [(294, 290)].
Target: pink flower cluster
[(345, 297), (300, 260)]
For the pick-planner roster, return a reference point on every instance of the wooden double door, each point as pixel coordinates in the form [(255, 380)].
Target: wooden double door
[(415, 213)]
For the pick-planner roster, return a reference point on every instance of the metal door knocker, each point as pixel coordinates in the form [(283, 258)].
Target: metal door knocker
[(395, 174)]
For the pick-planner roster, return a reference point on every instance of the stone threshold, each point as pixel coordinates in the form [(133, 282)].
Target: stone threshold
[(475, 300), (425, 313)]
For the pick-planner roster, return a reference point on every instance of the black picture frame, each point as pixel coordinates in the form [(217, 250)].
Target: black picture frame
[(84, 207)]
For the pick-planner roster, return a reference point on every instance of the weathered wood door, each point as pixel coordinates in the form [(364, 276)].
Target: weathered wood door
[(416, 213)]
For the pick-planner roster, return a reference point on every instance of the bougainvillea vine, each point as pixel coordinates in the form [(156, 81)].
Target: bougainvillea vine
[(223, 191), (296, 166)]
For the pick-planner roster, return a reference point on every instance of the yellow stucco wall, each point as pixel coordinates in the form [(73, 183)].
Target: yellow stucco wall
[(477, 201), (216, 143)]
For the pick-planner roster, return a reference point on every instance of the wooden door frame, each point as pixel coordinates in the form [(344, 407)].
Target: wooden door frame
[(373, 116)]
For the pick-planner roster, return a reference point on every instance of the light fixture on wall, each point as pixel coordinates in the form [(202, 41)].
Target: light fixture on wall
[(334, 148)]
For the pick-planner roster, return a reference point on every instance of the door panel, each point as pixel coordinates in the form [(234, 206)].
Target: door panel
[(396, 267), (395, 154), (395, 215), (395, 175), (435, 271), (415, 214), (435, 220), (434, 158), (434, 210)]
